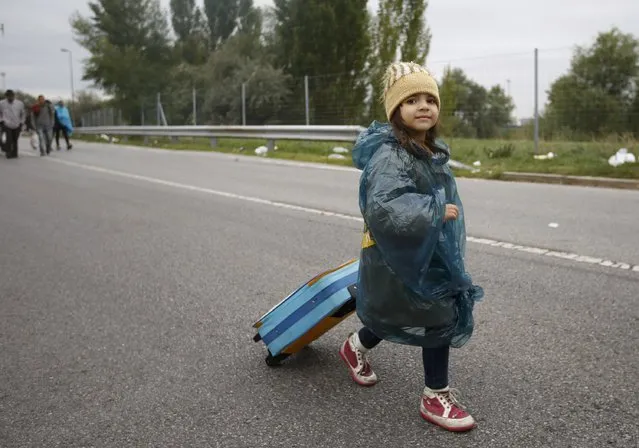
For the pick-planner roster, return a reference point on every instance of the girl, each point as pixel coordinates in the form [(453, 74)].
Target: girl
[(413, 287)]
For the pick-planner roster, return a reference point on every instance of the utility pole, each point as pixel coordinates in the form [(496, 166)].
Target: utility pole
[(4, 75), (194, 107), (536, 101), (64, 50), (306, 106), (243, 104)]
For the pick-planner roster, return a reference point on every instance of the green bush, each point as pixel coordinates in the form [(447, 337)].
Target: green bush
[(502, 152)]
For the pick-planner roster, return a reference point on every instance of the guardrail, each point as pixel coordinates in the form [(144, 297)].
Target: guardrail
[(268, 133)]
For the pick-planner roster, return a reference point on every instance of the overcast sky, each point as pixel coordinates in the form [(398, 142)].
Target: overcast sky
[(492, 40)]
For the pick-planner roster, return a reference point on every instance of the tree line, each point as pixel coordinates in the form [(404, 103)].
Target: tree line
[(138, 50), (599, 95)]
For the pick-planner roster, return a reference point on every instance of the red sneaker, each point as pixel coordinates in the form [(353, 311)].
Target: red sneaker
[(443, 409), (358, 365)]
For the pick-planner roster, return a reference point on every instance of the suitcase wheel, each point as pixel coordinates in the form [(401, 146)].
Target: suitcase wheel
[(274, 361)]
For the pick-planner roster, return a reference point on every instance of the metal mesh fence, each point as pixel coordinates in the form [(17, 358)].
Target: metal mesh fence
[(344, 99)]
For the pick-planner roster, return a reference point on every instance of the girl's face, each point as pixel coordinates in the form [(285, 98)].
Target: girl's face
[(420, 113)]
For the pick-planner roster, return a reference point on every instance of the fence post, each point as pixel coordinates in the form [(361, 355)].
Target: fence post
[(306, 105), (536, 101), (194, 107), (243, 104)]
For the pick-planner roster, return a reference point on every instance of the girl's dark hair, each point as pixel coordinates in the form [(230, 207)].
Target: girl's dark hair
[(402, 133)]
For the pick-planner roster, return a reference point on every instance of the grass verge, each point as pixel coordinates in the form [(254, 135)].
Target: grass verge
[(496, 156)]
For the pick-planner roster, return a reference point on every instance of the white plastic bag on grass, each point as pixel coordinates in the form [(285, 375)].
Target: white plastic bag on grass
[(622, 156)]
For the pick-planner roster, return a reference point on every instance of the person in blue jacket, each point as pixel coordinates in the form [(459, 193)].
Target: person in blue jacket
[(62, 124), (413, 288)]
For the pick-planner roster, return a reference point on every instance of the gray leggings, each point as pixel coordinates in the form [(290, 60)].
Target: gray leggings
[(46, 139)]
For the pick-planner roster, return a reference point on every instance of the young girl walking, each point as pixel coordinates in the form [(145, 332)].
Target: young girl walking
[(413, 287)]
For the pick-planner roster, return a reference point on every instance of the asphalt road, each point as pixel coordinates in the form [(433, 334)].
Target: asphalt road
[(593, 222), (129, 281)]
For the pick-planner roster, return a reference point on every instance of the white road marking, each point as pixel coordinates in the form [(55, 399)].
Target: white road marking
[(484, 241), (209, 191), (555, 254)]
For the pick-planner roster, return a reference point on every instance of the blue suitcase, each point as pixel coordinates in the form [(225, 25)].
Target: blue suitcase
[(307, 313)]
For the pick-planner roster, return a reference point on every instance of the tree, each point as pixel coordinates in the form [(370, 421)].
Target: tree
[(191, 31), (385, 42), (633, 117), (87, 101), (473, 110), (249, 29), (416, 36), (449, 98), (236, 43), (183, 17), (267, 87), (338, 90), (499, 109), (611, 64), (129, 47), (598, 95), (177, 97), (249, 18), (222, 17), (25, 97), (399, 29), (227, 17), (578, 107), (269, 30)]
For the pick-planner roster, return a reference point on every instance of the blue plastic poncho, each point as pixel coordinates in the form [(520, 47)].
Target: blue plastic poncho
[(64, 118), (413, 287)]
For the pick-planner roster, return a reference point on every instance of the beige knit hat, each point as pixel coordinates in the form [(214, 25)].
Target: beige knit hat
[(403, 80)]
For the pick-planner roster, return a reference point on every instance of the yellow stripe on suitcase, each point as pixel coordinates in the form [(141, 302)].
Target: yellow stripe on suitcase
[(314, 333)]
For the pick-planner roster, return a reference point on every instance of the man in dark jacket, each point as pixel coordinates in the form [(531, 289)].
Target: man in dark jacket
[(43, 119)]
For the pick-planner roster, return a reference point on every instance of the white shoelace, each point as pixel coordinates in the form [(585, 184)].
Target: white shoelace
[(452, 397)]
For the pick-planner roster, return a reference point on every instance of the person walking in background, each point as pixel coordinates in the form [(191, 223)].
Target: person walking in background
[(28, 121), (12, 116), (43, 118), (62, 124)]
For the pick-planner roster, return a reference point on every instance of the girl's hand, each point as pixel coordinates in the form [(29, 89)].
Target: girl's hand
[(452, 212)]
